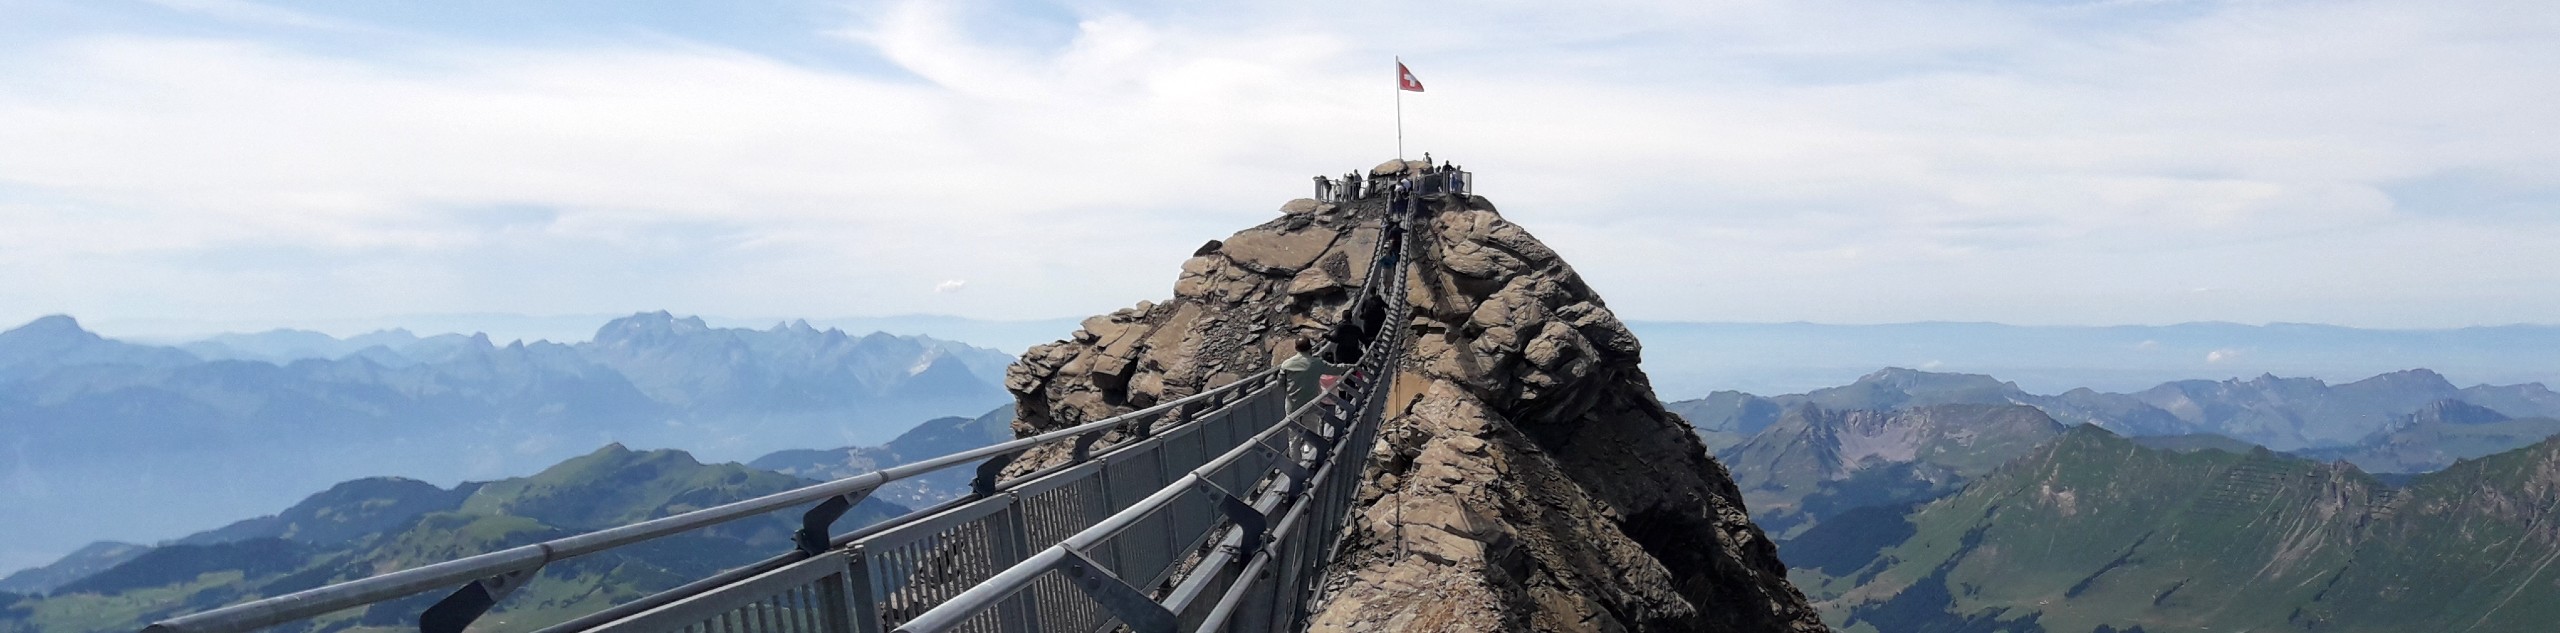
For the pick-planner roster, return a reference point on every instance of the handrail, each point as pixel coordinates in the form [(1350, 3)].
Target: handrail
[(1020, 575), (1146, 613), (321, 600), (737, 574)]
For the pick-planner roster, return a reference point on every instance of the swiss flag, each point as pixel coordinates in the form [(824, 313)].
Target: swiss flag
[(1405, 80)]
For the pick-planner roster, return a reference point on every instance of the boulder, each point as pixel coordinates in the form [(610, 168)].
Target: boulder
[(1398, 168), (1303, 206), (1279, 252)]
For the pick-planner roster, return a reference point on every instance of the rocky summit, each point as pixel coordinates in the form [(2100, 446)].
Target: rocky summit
[(1525, 478)]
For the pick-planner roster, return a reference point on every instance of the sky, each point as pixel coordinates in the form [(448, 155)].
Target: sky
[(2372, 164)]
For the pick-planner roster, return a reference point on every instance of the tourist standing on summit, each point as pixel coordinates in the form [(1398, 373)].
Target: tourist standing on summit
[(1305, 374)]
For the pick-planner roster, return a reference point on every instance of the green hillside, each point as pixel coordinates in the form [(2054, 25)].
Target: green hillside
[(2094, 532), (1815, 462), (263, 557)]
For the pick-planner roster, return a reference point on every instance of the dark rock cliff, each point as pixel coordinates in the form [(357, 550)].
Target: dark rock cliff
[(1526, 478)]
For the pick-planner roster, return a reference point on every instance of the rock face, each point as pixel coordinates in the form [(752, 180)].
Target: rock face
[(1525, 478)]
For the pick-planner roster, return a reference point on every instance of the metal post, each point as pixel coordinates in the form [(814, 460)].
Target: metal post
[(853, 607)]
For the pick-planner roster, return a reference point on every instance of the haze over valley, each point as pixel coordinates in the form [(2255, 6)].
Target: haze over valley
[(183, 438)]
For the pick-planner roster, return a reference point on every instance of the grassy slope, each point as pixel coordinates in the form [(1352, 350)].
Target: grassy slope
[(2096, 530)]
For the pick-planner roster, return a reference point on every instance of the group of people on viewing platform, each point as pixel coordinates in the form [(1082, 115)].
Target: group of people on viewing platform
[(1443, 178)]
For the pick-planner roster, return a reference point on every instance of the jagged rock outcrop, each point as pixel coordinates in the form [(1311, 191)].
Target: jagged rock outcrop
[(1525, 479)]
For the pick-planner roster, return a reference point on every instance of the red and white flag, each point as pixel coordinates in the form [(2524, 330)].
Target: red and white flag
[(1405, 80)]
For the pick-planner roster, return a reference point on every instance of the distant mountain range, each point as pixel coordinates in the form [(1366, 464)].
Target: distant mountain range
[(1920, 501), (2279, 413), (934, 438), (2438, 435), (368, 526), (1688, 360), (1008, 336), (107, 440)]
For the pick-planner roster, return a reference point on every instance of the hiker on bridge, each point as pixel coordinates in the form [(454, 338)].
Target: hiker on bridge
[(1360, 324), (1346, 340), (1305, 374)]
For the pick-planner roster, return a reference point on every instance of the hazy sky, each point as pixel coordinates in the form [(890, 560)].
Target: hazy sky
[(2389, 164)]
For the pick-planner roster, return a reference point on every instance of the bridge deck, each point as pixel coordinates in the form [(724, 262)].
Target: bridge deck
[(1216, 513)]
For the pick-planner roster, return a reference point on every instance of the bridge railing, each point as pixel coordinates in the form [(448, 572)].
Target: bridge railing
[(1434, 182), (882, 579), (1237, 544), (1200, 503), (487, 578), (1174, 531), (1218, 526)]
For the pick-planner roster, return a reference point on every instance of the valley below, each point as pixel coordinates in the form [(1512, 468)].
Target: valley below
[(1917, 501), (1905, 500)]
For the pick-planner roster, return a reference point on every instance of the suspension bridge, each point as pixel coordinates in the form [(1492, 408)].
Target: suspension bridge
[(1213, 512)]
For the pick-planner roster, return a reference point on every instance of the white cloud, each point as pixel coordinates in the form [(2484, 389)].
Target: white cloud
[(260, 14), (950, 286), (1827, 161), (2221, 355)]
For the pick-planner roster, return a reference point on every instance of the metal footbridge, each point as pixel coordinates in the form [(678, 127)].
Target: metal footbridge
[(1213, 512)]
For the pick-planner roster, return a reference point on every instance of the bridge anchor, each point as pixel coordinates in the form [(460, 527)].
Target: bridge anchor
[(456, 612)]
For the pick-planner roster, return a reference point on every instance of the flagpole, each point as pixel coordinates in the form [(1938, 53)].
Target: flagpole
[(1399, 108)]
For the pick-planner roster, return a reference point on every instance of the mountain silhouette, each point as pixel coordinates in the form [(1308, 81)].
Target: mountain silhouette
[(107, 440)]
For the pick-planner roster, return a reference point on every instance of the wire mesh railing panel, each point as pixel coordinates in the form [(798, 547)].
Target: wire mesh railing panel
[(1192, 520), (1126, 478), (916, 567), (1245, 475), (1280, 607), (1053, 509), (1235, 424), (1130, 476), (1060, 606), (1183, 450), (797, 598), (1144, 548), (1258, 598), (1051, 512)]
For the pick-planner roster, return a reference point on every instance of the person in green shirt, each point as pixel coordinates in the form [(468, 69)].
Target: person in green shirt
[(1306, 373)]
